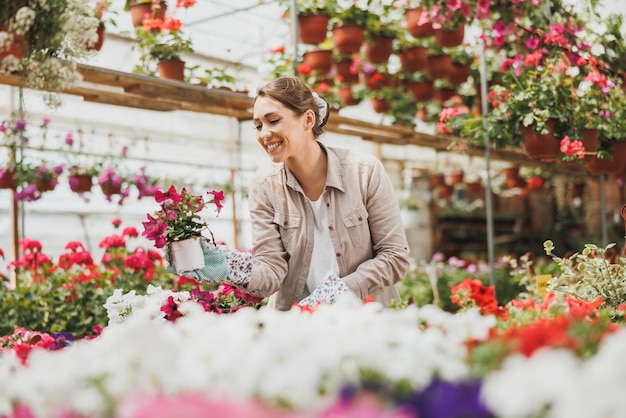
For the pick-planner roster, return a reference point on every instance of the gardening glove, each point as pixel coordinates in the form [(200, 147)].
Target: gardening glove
[(215, 265), (239, 265), (327, 292)]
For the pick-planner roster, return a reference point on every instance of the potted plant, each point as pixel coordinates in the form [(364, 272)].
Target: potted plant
[(112, 182), (313, 19), (348, 27), (145, 9), (45, 40), (33, 179), (179, 225), (162, 45)]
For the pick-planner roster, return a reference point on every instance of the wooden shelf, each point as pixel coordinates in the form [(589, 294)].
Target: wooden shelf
[(112, 87)]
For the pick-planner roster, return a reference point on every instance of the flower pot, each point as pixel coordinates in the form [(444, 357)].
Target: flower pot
[(172, 70), (7, 179), (473, 187), (16, 46), (442, 95), (590, 142), (111, 189), (312, 28), (347, 97), (418, 23), (343, 72), (435, 180), (456, 178), (422, 91), (438, 66), (413, 59), (459, 73), (347, 39), (450, 37), (511, 172), (599, 166), (187, 255), (379, 49), (320, 60), (46, 185), (141, 11), (81, 183), (101, 31), (379, 105), (541, 146), (444, 191)]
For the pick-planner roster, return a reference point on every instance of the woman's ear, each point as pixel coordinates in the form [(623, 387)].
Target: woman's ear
[(309, 119)]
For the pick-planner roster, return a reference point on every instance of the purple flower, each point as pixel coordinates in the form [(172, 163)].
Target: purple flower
[(69, 139), (443, 399), (20, 125)]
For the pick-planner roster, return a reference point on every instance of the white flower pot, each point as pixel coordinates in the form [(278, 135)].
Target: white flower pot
[(187, 255)]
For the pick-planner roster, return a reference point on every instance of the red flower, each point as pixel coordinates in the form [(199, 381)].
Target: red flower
[(218, 198), (116, 222), (185, 3), (171, 310), (130, 231)]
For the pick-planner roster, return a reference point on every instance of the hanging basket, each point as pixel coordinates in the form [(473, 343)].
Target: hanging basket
[(438, 66), (141, 11), (459, 73), (450, 37), (347, 39), (343, 72), (312, 28), (413, 17), (319, 60), (101, 31), (16, 47), (413, 59), (541, 146), (7, 179), (81, 183), (379, 49), (379, 105), (599, 166), (187, 255), (422, 91)]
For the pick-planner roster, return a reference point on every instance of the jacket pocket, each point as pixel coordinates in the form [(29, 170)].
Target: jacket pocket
[(289, 227), (357, 227)]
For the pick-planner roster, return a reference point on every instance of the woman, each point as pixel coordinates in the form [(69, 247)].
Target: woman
[(325, 221)]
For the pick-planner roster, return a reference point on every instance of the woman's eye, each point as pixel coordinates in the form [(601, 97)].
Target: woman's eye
[(257, 127), (273, 121)]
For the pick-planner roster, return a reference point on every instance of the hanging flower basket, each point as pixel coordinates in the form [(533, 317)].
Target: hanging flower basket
[(141, 11), (379, 49), (16, 46), (379, 105), (81, 183), (438, 66), (312, 28), (7, 178), (344, 72), (450, 37), (599, 166), (418, 23), (422, 91), (101, 31), (413, 59), (319, 60), (541, 146), (347, 39)]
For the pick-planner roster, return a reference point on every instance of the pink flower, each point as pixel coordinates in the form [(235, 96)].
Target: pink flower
[(575, 147)]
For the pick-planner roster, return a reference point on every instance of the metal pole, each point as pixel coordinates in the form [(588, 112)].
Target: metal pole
[(294, 34), (488, 197), (603, 210)]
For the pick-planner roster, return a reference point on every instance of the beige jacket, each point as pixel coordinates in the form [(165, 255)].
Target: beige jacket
[(364, 221)]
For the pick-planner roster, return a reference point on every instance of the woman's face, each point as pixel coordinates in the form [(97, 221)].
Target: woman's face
[(281, 133)]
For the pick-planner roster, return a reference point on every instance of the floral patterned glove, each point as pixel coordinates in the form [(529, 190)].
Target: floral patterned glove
[(215, 265), (327, 292), (239, 265)]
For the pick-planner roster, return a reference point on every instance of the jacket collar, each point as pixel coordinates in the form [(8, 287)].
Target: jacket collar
[(333, 175)]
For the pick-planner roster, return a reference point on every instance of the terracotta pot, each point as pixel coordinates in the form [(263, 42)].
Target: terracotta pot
[(459, 73), (413, 18), (319, 60), (422, 91), (46, 186), (450, 37), (17, 47), (110, 189), (343, 73), (413, 59), (312, 28), (81, 183), (141, 11), (347, 97), (101, 31), (347, 39), (599, 166), (435, 180), (445, 190), (444, 94), (511, 172), (7, 179), (456, 178), (438, 66), (379, 49), (379, 105), (541, 146), (172, 70), (377, 81), (473, 187)]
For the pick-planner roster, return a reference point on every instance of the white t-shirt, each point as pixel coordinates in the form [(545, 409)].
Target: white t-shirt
[(323, 260)]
